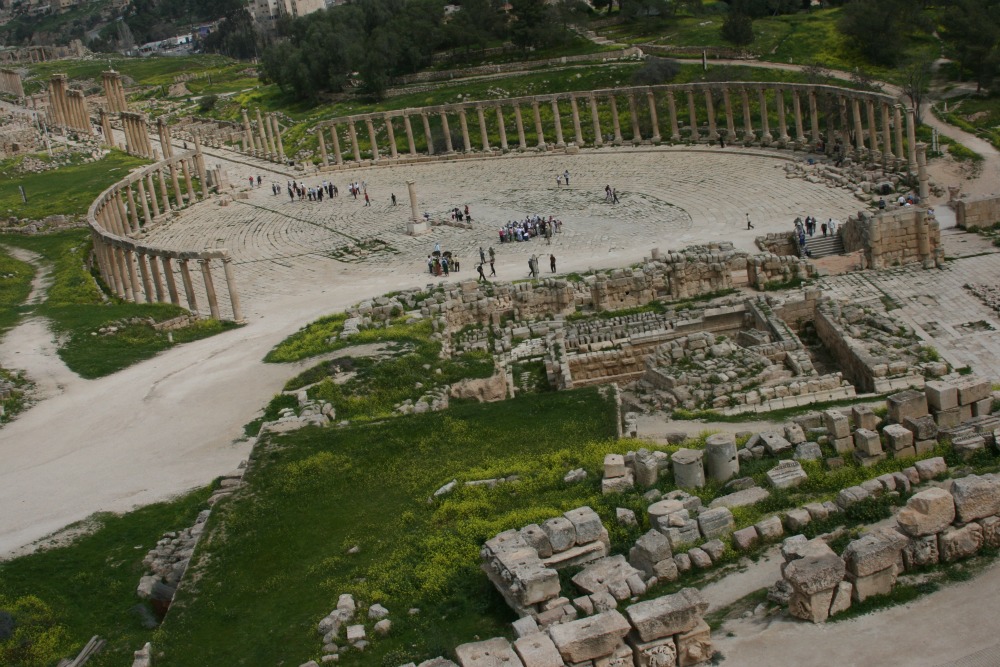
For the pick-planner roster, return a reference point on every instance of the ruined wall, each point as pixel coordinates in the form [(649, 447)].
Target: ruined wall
[(780, 243), (892, 238), (977, 212)]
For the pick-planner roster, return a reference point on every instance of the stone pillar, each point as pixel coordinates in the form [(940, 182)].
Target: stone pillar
[(574, 108), (519, 121), (813, 119), (689, 471), (765, 127), (213, 302), (427, 133), (133, 212), (886, 134), (675, 132), (654, 121), (503, 129), (175, 179), (922, 177), (872, 128), (147, 283), (168, 275), (271, 151), (391, 136), (152, 195), (166, 147), (142, 200), (845, 135), (448, 148), (338, 157), (277, 137), (260, 132), (414, 211), (633, 113), (538, 124), (246, 129), (133, 277), (163, 187), (831, 125), (692, 116), (859, 132), (371, 138), (122, 213), (123, 274), (352, 134), (187, 181), (189, 287), (463, 123), (800, 134), (199, 166), (322, 147), (616, 125), (557, 121), (234, 295), (408, 127), (748, 134), (721, 462), (598, 138), (730, 122), (911, 138), (109, 137), (713, 132), (154, 270)]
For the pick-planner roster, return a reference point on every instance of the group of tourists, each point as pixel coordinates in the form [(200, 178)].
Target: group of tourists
[(532, 226), (533, 265), (460, 215), (808, 226), (297, 190), (442, 264), (610, 195)]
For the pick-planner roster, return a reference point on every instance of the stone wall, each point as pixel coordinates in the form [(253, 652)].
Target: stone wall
[(977, 212), (778, 243), (481, 70), (904, 235)]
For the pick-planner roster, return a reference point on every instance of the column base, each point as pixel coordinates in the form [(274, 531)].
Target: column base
[(656, 140), (417, 227)]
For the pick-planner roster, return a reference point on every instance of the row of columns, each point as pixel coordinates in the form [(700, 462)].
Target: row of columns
[(137, 135), (33, 54), (266, 141), (142, 201), (10, 83), (114, 91), (68, 108), (866, 127)]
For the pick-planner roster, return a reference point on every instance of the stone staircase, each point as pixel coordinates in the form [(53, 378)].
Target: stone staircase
[(823, 246)]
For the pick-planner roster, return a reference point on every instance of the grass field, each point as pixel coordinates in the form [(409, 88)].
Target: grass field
[(15, 285)]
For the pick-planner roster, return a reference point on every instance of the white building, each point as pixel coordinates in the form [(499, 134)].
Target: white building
[(267, 12)]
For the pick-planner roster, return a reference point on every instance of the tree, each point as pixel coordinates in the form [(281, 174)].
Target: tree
[(655, 71), (737, 28), (876, 28), (916, 80), (532, 23), (971, 29)]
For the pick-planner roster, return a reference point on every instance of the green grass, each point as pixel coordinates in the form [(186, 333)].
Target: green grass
[(975, 114), (77, 309), (88, 587), (63, 191), (15, 285), (151, 71), (276, 557)]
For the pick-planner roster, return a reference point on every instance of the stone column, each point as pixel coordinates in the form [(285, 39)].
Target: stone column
[(886, 134), (748, 134), (765, 126), (142, 200), (538, 124), (408, 127), (260, 132), (352, 134), (147, 283), (152, 195), (693, 116), (391, 136), (922, 178), (187, 181), (175, 179), (845, 135), (123, 275), (721, 461), (371, 138), (206, 273), (800, 134), (654, 121), (713, 132), (813, 118), (109, 137), (831, 125), (163, 187), (427, 133), (338, 157), (322, 147), (911, 137), (557, 121), (503, 129), (484, 136), (127, 131), (133, 277), (165, 146), (168, 275), (730, 123), (234, 295), (277, 137), (414, 211), (872, 128), (154, 270), (271, 151), (199, 165), (246, 129), (519, 121), (634, 116), (598, 138), (448, 148), (463, 124), (577, 128), (122, 214), (614, 120), (779, 96), (189, 287), (133, 212), (859, 132), (675, 132)]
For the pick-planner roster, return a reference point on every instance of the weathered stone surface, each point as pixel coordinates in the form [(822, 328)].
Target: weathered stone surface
[(897, 437), (601, 574), (621, 484), (923, 428), (562, 534), (625, 517), (694, 647), (525, 626), (774, 443), (927, 512), (538, 650), (920, 552), (841, 598), (663, 508), (814, 607), (437, 662), (808, 451), (657, 653), (666, 570), (716, 522), (968, 445), (770, 528), (647, 469), (591, 637), (721, 462), (746, 539), (649, 549), (874, 552), (794, 433), (867, 442), (355, 633), (689, 471), (699, 558), (815, 573), (991, 531), (975, 497), (681, 531), (837, 424), (909, 403), (928, 469), (850, 495), (957, 543), (667, 615), (843, 445), (496, 652), (715, 549), (614, 465), (864, 417), (941, 395), (741, 498), (587, 524), (876, 583), (797, 519), (538, 539), (786, 475), (971, 389)]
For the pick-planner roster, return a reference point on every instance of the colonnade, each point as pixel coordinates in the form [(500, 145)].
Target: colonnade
[(863, 125), (266, 141), (114, 91), (141, 273), (137, 135), (68, 108), (10, 83)]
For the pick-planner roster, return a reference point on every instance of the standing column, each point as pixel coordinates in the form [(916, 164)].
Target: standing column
[(577, 128), (692, 116), (887, 154), (206, 273), (234, 295), (371, 138), (859, 132), (503, 129), (352, 134), (270, 137), (199, 165), (483, 135), (831, 123), (391, 136), (175, 178), (168, 275), (163, 187), (634, 115), (713, 132), (125, 287), (152, 195), (748, 134), (154, 269), (412, 191), (277, 137), (133, 277), (142, 199), (260, 131), (765, 125), (911, 137), (813, 118), (463, 124), (189, 287), (614, 121), (165, 146), (845, 135), (654, 121), (730, 123), (800, 134), (779, 96), (187, 181), (872, 128), (598, 138), (246, 129), (675, 132), (127, 131), (410, 144), (522, 143), (557, 121), (922, 178), (538, 124), (448, 148), (147, 283), (427, 133), (322, 148), (109, 137), (122, 214), (338, 157), (133, 212)]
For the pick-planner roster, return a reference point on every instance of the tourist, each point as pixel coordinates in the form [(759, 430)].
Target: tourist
[(368, 202), (258, 180), (482, 255), (493, 270), (393, 198), (437, 246), (558, 180), (749, 224), (722, 141), (492, 253), (607, 193), (482, 276), (823, 228), (552, 263), (614, 195), (566, 177), (430, 264), (444, 266), (833, 227)]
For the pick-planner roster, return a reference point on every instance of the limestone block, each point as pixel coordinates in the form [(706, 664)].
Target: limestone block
[(658, 653), (876, 583), (602, 573), (927, 512), (948, 418), (898, 437), (561, 532), (538, 650), (867, 442), (694, 647), (689, 472), (923, 428), (355, 633), (975, 497), (964, 413), (603, 601), (774, 443), (666, 570), (589, 638), (868, 461), (717, 522), (667, 615), (941, 395), (968, 445), (587, 524), (770, 528), (721, 462), (437, 662), (625, 517), (741, 498), (786, 475), (808, 451), (663, 508), (814, 573), (982, 408), (864, 417), (843, 445), (928, 469), (841, 598), (837, 424), (699, 559), (614, 466), (525, 626), (649, 550), (874, 552), (909, 403), (537, 539), (647, 469), (817, 511), (746, 539), (715, 549), (814, 607), (797, 519), (496, 652), (971, 389), (850, 495), (636, 586), (902, 482), (794, 433), (686, 533), (618, 484), (920, 552), (536, 584)]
